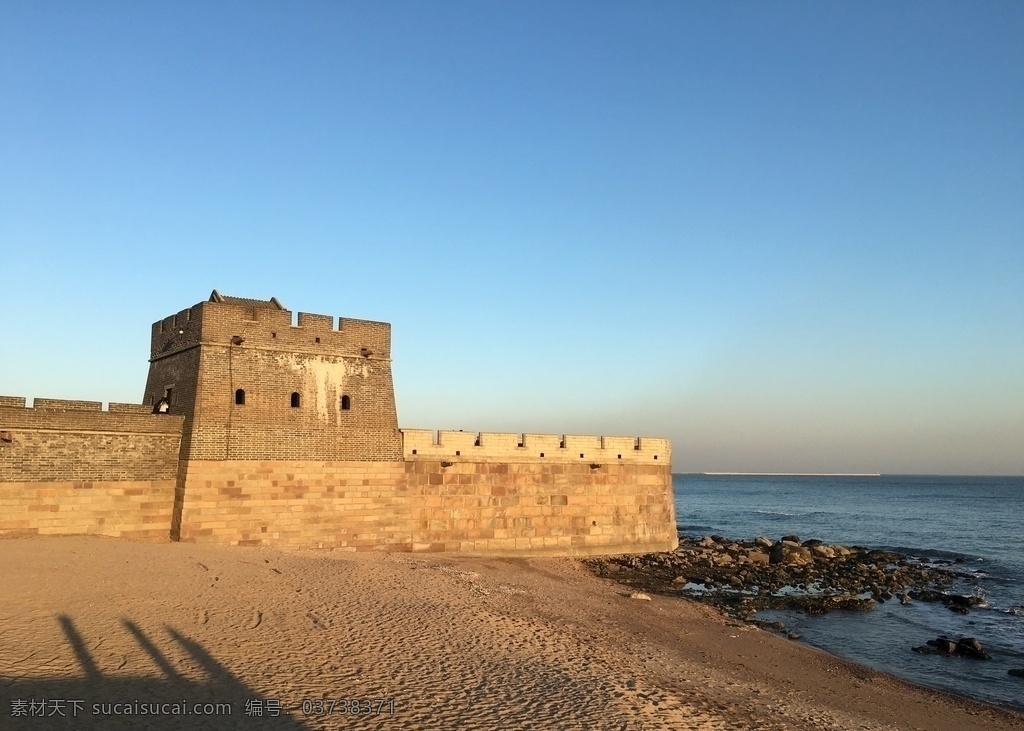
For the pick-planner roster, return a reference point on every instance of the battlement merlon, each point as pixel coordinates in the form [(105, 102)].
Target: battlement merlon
[(221, 323), (456, 446)]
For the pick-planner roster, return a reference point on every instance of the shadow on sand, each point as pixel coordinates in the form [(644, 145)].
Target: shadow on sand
[(221, 701)]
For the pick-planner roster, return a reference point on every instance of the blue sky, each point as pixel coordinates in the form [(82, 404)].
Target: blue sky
[(788, 236)]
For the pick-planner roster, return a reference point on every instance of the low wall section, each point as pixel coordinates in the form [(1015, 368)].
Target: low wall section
[(68, 467), (480, 501), (424, 444)]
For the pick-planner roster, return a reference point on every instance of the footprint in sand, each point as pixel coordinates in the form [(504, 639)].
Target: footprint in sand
[(256, 621), (317, 622), (203, 617)]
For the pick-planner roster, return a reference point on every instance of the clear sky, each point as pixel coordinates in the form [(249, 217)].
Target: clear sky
[(788, 236)]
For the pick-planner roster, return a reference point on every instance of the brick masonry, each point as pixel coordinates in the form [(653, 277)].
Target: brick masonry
[(66, 467), (285, 432)]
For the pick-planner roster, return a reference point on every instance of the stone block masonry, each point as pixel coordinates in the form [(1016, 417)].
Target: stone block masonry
[(67, 467), (469, 507), (284, 432)]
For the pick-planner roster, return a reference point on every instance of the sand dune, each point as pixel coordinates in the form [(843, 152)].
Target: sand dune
[(429, 641)]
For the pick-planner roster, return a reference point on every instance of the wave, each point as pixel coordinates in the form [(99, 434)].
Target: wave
[(933, 553), (780, 513)]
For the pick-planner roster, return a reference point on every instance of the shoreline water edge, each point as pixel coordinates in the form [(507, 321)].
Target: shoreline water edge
[(909, 560), (758, 581)]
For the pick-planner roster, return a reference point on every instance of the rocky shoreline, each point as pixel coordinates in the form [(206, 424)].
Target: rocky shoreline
[(744, 577)]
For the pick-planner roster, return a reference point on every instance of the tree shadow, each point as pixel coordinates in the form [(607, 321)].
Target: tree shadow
[(220, 701)]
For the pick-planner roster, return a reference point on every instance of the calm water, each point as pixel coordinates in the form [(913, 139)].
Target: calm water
[(977, 519)]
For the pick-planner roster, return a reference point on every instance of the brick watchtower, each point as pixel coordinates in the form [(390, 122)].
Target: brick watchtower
[(254, 386)]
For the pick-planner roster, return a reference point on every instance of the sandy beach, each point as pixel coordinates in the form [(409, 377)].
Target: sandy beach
[(102, 633)]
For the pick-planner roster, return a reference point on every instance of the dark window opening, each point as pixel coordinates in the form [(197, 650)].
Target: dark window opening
[(316, 339), (655, 456), (273, 335), (541, 454), (458, 453), (581, 456), (296, 399), (620, 456), (169, 396), (240, 397), (346, 403), (414, 451)]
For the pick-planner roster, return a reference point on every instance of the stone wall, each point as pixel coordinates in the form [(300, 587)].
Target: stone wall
[(67, 467), (474, 507)]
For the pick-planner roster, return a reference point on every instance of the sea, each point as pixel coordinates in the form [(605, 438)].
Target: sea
[(976, 523)]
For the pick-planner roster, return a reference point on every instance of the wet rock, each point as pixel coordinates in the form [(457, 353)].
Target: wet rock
[(811, 543), (745, 576), (794, 636), (1016, 672), (792, 539), (970, 647), (965, 647), (943, 646)]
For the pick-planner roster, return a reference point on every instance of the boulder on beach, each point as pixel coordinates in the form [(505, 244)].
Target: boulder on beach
[(790, 555), (758, 557), (822, 551)]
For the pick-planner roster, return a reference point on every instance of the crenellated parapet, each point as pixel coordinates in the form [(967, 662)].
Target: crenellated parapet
[(454, 446), (52, 414), (227, 323)]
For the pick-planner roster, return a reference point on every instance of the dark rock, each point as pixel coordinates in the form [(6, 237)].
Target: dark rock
[(811, 543), (1016, 672), (970, 647), (943, 646), (791, 539), (794, 636)]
